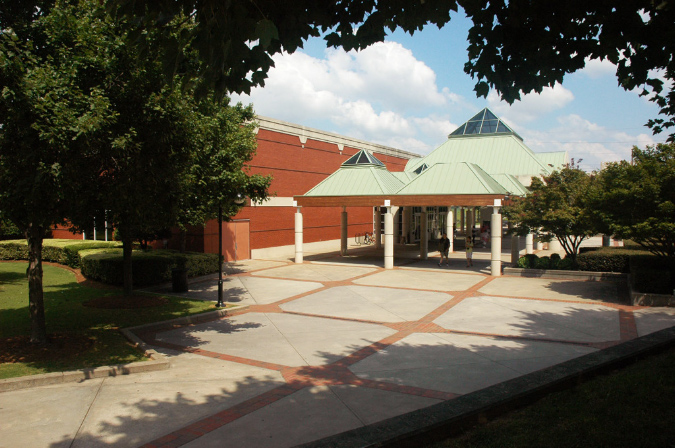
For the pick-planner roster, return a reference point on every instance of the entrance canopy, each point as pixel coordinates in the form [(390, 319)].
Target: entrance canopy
[(364, 181)]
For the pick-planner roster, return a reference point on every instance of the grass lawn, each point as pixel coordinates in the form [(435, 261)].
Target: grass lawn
[(84, 336), (631, 407)]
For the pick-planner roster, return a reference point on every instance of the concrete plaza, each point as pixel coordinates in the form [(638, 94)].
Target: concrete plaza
[(327, 346)]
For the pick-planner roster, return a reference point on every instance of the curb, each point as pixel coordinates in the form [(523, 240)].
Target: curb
[(157, 361), (564, 275), (443, 420)]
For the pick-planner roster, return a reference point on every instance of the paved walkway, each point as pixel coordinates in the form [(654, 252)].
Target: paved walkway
[(328, 346)]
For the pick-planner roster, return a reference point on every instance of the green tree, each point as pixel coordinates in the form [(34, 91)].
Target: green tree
[(636, 200), (515, 46), (218, 176), (87, 125), (50, 115), (558, 207)]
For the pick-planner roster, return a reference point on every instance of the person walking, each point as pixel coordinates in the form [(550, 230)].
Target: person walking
[(443, 248), (469, 251)]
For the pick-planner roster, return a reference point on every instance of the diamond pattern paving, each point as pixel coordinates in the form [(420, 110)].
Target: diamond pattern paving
[(574, 322), (369, 303)]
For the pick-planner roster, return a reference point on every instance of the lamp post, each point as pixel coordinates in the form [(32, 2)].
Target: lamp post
[(238, 200), (220, 303)]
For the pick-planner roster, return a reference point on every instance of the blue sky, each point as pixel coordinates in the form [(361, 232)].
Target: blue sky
[(410, 92)]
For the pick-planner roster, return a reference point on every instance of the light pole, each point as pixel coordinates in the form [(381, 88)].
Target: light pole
[(239, 200), (220, 303)]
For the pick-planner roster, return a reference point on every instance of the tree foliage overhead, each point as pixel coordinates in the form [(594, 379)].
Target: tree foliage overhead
[(558, 207), (515, 46), (637, 200)]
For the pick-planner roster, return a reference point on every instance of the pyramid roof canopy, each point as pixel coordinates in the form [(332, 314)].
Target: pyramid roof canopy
[(495, 153), (453, 179), (554, 160), (361, 175), (511, 184)]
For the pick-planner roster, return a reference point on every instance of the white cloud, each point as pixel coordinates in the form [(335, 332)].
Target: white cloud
[(586, 140), (531, 106), (596, 68), (373, 94)]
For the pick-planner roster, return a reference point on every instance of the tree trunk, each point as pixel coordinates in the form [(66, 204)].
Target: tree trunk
[(183, 240), (127, 246), (36, 303)]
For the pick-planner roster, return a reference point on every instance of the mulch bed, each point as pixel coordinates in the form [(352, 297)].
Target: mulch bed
[(60, 346), (126, 302)]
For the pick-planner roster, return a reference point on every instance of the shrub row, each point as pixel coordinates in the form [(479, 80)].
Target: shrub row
[(652, 274), (68, 254), (149, 268), (532, 261), (649, 273)]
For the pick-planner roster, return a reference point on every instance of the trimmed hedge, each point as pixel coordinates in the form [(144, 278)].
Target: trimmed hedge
[(532, 261), (652, 274), (603, 261), (649, 273), (57, 251), (149, 268)]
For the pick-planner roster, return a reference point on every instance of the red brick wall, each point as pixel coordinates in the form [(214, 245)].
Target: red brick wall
[(295, 170)]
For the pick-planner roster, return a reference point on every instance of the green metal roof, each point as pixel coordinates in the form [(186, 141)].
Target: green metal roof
[(494, 153), (554, 160), (511, 184), (404, 176), (453, 178), (358, 180)]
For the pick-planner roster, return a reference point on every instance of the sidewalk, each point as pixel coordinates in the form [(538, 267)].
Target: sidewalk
[(328, 346)]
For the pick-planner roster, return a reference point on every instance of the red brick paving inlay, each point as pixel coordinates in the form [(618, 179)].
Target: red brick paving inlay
[(338, 373)]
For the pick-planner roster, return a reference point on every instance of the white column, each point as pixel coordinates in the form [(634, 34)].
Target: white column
[(388, 239), (496, 240), (378, 228), (529, 243), (424, 238), (515, 250), (449, 224), (298, 236), (94, 229), (344, 223), (106, 225)]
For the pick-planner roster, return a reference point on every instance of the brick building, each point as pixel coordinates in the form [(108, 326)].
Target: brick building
[(298, 158)]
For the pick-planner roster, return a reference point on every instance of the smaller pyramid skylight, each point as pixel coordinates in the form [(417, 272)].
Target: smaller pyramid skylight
[(484, 122), (362, 157), (421, 168)]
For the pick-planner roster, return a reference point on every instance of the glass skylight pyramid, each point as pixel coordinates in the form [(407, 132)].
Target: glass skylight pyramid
[(421, 168), (362, 157), (484, 122)]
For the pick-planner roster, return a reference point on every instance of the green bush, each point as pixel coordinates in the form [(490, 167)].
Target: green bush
[(603, 261), (652, 274), (528, 261), (65, 252), (532, 261), (149, 268), (543, 263), (554, 261), (566, 264)]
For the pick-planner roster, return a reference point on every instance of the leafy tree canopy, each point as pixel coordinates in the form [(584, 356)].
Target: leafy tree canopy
[(637, 200), (515, 46), (557, 206)]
